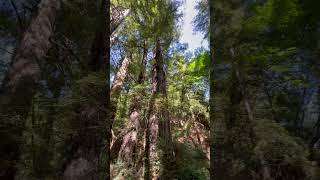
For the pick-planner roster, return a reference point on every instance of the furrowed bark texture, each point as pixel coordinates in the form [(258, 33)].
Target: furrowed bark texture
[(130, 149), (216, 134), (159, 150), (239, 140), (20, 83), (88, 152), (33, 46), (93, 135)]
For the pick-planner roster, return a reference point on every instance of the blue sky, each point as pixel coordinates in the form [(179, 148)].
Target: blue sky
[(194, 39)]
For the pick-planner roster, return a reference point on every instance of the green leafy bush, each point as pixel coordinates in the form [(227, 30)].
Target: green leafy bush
[(191, 162), (284, 156)]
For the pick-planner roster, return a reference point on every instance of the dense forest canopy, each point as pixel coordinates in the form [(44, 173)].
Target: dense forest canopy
[(264, 92), (107, 90)]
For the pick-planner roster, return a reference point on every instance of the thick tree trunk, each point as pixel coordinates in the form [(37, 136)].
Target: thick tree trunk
[(117, 86), (129, 149), (86, 165), (159, 146), (97, 61), (33, 47), (89, 143), (216, 124), (93, 136), (23, 75)]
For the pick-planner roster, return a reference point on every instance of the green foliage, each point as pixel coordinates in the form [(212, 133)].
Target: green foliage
[(278, 149), (273, 54), (83, 15), (40, 143), (277, 14), (200, 65), (188, 84), (156, 18), (273, 44), (191, 162), (276, 145), (90, 87)]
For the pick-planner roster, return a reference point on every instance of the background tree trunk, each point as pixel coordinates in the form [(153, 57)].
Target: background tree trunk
[(158, 134), (129, 149), (117, 86)]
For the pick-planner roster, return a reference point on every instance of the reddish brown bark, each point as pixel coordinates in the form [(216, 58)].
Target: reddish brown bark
[(33, 46), (129, 152), (88, 145), (20, 83), (158, 135), (93, 134)]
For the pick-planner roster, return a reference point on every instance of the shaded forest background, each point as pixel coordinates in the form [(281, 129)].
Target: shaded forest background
[(260, 118)]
